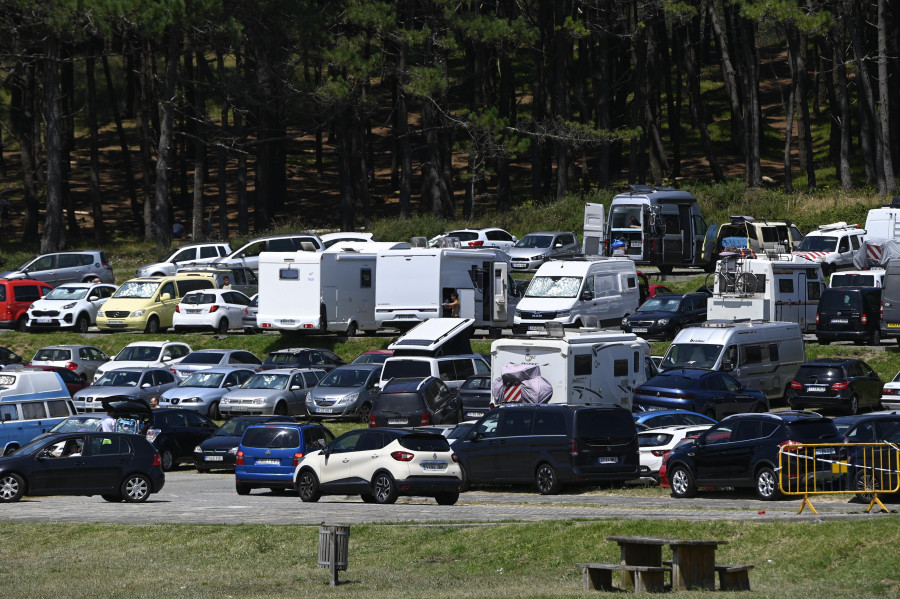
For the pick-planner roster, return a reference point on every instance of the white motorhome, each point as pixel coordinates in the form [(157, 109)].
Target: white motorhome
[(884, 222), (584, 292), (596, 367), (767, 290), (412, 284), (333, 290), (762, 355), (592, 240)]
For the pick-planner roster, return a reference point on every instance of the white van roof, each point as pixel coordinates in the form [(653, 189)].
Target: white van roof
[(431, 335), (20, 384), (580, 267), (719, 331)]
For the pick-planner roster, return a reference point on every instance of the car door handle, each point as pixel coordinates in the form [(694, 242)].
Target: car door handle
[(345, 460), (374, 456)]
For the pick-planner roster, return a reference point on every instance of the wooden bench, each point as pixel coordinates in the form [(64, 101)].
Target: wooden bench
[(596, 576), (734, 578)]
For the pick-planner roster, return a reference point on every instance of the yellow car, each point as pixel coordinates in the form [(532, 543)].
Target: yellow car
[(147, 303)]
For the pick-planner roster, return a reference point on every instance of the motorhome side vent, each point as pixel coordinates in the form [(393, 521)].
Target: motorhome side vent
[(420, 242)]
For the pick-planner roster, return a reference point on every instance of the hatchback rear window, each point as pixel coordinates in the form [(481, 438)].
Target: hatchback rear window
[(204, 358), (405, 369), (288, 358), (604, 423), (822, 431), (424, 443), (271, 438), (399, 402), (821, 372), (833, 301)]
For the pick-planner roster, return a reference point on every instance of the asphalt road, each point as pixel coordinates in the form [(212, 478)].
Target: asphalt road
[(193, 498)]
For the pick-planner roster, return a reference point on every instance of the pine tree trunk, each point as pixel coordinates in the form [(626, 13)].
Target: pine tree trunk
[(130, 182), (54, 235), (884, 84), (698, 114), (167, 118), (93, 132)]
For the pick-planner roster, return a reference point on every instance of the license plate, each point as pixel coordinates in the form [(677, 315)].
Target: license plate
[(269, 462), (192, 311), (213, 458), (240, 408), (396, 420), (474, 414), (638, 329), (519, 265), (43, 320), (636, 244), (893, 325), (288, 322), (434, 465), (536, 327), (324, 410), (115, 322), (608, 460), (816, 388), (839, 321), (826, 451)]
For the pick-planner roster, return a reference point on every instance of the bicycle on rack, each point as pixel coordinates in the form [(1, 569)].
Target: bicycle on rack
[(730, 276)]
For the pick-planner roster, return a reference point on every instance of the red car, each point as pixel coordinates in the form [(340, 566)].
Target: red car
[(72, 381), (648, 289)]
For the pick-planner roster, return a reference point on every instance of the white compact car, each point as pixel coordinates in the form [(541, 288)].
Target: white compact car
[(490, 237), (211, 309), (890, 394), (386, 463), (656, 443), (196, 253), (69, 306), (146, 354)]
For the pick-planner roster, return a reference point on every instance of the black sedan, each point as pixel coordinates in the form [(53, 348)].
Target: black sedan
[(219, 450), (475, 396), (115, 466), (714, 394), (843, 384), (662, 316)]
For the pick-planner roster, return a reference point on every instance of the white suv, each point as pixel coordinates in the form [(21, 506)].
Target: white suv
[(146, 354), (832, 245), (69, 306), (196, 253), (386, 463)]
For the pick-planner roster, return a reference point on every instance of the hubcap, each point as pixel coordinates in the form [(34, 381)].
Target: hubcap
[(8, 487), (382, 488), (545, 478), (766, 484), (679, 481), (136, 488)]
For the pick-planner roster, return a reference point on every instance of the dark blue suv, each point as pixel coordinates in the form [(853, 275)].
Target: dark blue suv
[(269, 453)]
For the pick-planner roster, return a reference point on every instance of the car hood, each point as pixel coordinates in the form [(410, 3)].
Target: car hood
[(220, 442), (546, 304), (526, 253), (105, 392), (654, 315), (252, 393), (123, 304), (185, 392), (332, 392), (116, 364)]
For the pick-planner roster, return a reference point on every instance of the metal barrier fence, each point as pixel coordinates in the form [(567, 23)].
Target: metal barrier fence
[(863, 469)]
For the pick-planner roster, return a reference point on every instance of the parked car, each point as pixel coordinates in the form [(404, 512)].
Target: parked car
[(742, 451), (866, 428), (661, 418), (115, 466), (219, 450), (142, 383), (452, 369), (414, 402), (536, 248), (648, 289), (269, 454), (198, 253), (390, 463), (235, 277), (890, 394), (662, 316), (375, 356), (218, 310), (281, 392), (16, 296), (146, 354), (203, 359), (65, 267), (833, 246), (303, 357), (248, 254), (872, 468), (656, 443), (715, 394), (71, 306), (147, 304), (73, 382), (83, 360), (475, 396), (346, 392), (203, 390), (248, 315), (7, 357), (849, 314), (489, 237), (843, 384)]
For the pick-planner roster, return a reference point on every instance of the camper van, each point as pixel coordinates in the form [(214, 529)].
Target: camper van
[(31, 403), (584, 292), (595, 368), (332, 290), (765, 290), (661, 226), (882, 223), (412, 284), (762, 355)]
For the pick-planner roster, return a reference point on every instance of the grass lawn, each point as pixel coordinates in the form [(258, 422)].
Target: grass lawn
[(834, 559)]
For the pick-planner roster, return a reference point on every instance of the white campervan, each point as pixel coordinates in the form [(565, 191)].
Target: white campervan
[(584, 292), (597, 368), (884, 222), (762, 355), (767, 290)]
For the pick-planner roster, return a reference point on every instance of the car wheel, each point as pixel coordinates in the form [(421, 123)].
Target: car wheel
[(213, 412), (465, 485), (112, 498), (351, 330), (364, 411), (280, 409), (760, 407), (875, 339), (682, 482), (82, 323), (545, 479), (222, 327), (241, 489), (367, 498), (12, 487), (202, 470), (168, 460), (152, 325), (868, 484), (447, 498), (22, 324), (136, 488), (11, 450), (767, 485), (384, 489), (308, 486), (853, 407)]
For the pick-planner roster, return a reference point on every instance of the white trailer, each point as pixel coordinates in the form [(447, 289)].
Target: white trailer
[(767, 290), (333, 290), (596, 368), (413, 283)]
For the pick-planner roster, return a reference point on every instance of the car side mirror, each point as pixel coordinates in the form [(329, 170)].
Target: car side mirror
[(295, 387), (93, 298), (145, 386), (17, 358), (587, 295), (727, 366), (165, 297), (43, 455)]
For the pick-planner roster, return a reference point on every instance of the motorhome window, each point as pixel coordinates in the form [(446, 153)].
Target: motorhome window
[(671, 224), (9, 412), (813, 290), (33, 410), (691, 355), (289, 274), (631, 282), (58, 408), (605, 285), (752, 354), (620, 367), (582, 365), (773, 352), (7, 380), (365, 278), (405, 368), (516, 423), (549, 423), (553, 287), (625, 217), (818, 243), (637, 361), (786, 285)]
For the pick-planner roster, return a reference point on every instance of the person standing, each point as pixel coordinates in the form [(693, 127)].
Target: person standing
[(453, 305)]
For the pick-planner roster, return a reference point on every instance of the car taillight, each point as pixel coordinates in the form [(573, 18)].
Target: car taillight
[(178, 308), (796, 385), (297, 457), (865, 319), (817, 318), (106, 265), (402, 456), (239, 458), (246, 311), (454, 457), (659, 452), (573, 448), (371, 420), (157, 461), (840, 386), (213, 308), (71, 365), (426, 419), (152, 433), (881, 310), (476, 244), (887, 391), (788, 442)]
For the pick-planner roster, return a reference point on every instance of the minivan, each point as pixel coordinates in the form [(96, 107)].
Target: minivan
[(147, 304), (849, 314), (22, 420), (16, 296), (890, 300), (550, 446), (66, 267), (453, 370)]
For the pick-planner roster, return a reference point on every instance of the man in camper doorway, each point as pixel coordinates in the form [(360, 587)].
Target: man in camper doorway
[(453, 305)]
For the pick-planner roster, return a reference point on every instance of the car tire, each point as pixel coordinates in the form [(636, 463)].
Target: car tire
[(202, 470), (112, 498), (135, 488), (308, 486), (545, 479), (865, 480), (152, 325), (82, 323), (214, 413), (280, 409), (875, 339), (853, 406), (241, 489), (12, 487), (352, 330), (364, 411), (384, 489), (222, 327), (767, 484), (367, 498), (168, 460), (681, 481), (22, 324), (447, 498)]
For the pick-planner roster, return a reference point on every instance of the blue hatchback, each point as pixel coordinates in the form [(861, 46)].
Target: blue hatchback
[(657, 418), (714, 394), (269, 453)]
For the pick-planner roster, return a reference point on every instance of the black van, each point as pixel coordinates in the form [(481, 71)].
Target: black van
[(550, 445), (849, 314)]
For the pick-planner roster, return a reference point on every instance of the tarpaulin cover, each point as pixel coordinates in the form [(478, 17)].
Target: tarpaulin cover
[(521, 383)]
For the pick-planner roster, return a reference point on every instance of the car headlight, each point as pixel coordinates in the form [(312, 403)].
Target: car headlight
[(662, 322), (347, 399), (137, 313), (563, 313), (191, 400), (198, 449), (259, 401), (538, 257), (518, 314), (100, 314), (69, 306), (624, 321)]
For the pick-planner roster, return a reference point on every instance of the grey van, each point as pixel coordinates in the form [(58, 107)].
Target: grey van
[(66, 267), (890, 300)]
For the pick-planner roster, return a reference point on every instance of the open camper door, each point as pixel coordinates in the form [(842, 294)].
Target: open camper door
[(592, 241), (500, 305)]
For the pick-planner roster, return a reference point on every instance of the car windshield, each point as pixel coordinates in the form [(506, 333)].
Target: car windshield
[(52, 355), (535, 241), (205, 380), (137, 289), (349, 377), (266, 381), (818, 243), (139, 353), (119, 378), (287, 358), (199, 298), (553, 287), (691, 355), (661, 304), (203, 358), (67, 293), (73, 425)]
